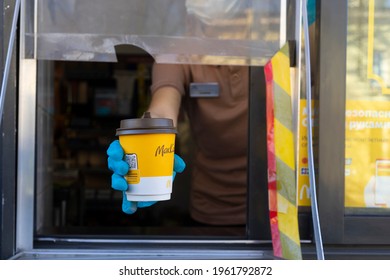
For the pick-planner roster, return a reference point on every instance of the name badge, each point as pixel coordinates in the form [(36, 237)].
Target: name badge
[(205, 90)]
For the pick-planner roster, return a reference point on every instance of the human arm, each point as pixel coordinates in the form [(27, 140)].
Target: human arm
[(165, 103), (170, 82)]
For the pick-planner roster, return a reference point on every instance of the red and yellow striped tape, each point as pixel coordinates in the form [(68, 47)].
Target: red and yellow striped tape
[(282, 187)]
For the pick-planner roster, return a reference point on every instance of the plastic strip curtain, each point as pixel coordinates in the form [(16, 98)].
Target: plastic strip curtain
[(281, 163)]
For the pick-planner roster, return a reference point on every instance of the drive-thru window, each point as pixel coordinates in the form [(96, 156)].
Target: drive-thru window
[(79, 67)]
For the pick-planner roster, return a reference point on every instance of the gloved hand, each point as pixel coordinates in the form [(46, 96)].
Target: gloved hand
[(120, 168)]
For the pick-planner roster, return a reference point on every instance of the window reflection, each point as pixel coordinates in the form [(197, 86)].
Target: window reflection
[(69, 30), (367, 163)]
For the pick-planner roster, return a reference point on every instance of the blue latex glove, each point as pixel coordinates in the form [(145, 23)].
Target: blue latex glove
[(120, 168)]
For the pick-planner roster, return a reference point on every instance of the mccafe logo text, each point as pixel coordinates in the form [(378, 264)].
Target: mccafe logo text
[(162, 150)]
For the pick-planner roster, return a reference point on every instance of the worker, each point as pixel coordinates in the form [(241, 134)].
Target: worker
[(219, 120), (215, 99)]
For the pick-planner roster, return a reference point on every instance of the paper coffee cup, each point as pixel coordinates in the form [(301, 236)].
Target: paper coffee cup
[(149, 146)]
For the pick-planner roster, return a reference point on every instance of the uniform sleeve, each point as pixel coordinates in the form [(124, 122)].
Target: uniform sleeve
[(174, 75)]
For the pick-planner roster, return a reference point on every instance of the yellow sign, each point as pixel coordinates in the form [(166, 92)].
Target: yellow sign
[(303, 159), (367, 153)]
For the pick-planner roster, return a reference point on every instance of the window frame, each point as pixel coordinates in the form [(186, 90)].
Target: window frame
[(256, 245), (337, 226)]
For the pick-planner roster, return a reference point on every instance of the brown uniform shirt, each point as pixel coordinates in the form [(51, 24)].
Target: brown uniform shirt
[(220, 129)]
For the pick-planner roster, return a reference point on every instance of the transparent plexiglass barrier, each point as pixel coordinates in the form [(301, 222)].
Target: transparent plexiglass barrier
[(242, 32)]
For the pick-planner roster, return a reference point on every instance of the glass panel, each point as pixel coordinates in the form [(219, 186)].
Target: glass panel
[(77, 115), (171, 31), (367, 159)]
